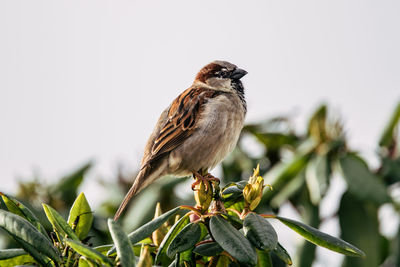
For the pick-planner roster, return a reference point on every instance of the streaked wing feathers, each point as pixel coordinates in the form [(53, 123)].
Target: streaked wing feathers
[(182, 117)]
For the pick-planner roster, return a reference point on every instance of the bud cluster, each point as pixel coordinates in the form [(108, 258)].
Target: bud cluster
[(252, 192)]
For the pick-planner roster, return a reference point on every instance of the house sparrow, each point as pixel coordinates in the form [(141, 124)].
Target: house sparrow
[(197, 131)]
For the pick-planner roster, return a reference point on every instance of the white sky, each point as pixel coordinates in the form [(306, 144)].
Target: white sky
[(86, 80)]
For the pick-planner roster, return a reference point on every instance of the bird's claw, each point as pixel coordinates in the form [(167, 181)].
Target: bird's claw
[(206, 179)]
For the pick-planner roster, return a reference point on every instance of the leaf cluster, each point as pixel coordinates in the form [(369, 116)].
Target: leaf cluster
[(200, 237), (229, 226), (304, 167)]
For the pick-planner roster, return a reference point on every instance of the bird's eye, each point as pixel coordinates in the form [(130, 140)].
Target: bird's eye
[(223, 73)]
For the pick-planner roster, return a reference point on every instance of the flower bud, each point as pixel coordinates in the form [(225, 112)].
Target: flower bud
[(159, 234), (252, 192), (203, 194), (145, 259)]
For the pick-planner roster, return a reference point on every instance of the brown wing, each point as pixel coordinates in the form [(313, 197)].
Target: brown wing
[(182, 116)]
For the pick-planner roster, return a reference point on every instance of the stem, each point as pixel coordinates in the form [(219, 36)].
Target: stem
[(187, 207), (244, 212), (213, 261), (205, 241), (273, 216), (235, 211), (68, 259)]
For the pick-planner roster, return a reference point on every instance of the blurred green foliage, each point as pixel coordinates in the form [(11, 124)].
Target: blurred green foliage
[(300, 168), (222, 229)]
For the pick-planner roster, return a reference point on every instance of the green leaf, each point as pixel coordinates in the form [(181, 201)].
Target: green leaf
[(122, 243), (138, 246), (238, 205), (231, 193), (232, 241), (175, 263), (83, 262), (316, 175), (14, 257), (67, 187), (203, 230), (12, 206), (283, 172), (317, 124), (88, 252), (356, 218), (144, 203), (34, 252), (185, 257), (185, 239), (264, 259), (148, 228), (260, 232), (321, 239), (288, 190), (234, 220), (59, 224), (283, 254), (21, 210), (208, 249), (103, 249), (223, 261), (275, 141), (390, 170), (388, 134), (306, 251), (361, 181), (161, 256), (272, 135), (11, 253), (28, 236), (80, 216)]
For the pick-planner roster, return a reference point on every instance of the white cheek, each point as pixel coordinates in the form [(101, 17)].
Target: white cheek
[(220, 83)]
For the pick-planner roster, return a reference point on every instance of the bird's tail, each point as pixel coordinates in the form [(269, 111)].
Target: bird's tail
[(144, 178), (138, 184)]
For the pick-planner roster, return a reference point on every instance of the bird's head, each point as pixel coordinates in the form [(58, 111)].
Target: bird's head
[(222, 75)]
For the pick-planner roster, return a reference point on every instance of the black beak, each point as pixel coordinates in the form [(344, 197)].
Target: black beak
[(237, 74)]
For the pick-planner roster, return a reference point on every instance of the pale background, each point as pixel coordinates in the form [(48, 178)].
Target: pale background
[(84, 80)]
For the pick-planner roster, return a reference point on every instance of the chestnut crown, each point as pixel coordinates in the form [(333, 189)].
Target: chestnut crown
[(220, 69)]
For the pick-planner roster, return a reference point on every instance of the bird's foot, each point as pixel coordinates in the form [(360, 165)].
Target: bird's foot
[(206, 179)]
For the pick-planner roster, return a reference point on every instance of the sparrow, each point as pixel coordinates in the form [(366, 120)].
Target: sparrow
[(197, 131)]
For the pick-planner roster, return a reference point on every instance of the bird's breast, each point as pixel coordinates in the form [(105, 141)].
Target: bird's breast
[(216, 135)]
